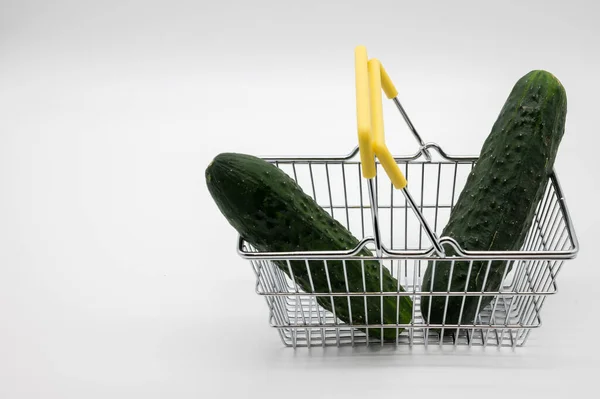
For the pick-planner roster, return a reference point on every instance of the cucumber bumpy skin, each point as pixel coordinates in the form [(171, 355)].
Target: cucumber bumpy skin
[(496, 207), (270, 211)]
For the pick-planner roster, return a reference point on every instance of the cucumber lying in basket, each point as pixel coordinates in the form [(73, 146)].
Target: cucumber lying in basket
[(496, 207), (272, 213)]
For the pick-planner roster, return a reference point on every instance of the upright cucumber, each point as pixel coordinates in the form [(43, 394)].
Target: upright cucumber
[(271, 212), (496, 207)]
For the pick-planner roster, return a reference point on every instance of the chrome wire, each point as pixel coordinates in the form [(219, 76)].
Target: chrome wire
[(529, 274)]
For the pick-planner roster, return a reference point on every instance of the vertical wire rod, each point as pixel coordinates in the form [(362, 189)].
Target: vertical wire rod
[(375, 217)]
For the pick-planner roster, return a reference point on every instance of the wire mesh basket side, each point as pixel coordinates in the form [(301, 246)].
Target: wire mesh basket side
[(338, 187), (301, 321)]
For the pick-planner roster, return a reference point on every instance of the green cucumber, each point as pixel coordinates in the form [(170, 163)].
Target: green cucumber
[(495, 210), (271, 212)]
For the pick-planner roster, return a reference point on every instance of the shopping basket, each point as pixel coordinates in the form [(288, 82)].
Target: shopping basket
[(402, 230)]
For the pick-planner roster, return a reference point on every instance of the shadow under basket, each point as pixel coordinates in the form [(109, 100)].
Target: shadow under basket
[(337, 185)]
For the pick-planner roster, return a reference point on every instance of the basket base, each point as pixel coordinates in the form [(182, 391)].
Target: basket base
[(318, 328)]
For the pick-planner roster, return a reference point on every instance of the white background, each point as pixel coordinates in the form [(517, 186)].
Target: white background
[(118, 275)]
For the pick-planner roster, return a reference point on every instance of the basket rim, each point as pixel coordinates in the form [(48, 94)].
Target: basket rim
[(425, 254)]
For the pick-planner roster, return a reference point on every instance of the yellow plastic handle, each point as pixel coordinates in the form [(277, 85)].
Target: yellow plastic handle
[(363, 113), (379, 147), (386, 83), (374, 67)]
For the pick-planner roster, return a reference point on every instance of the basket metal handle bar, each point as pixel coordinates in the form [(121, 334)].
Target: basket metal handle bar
[(342, 158), (428, 254), (371, 79), (423, 146)]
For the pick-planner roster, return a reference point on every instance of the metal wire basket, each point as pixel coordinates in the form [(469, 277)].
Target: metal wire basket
[(405, 243), (336, 184)]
